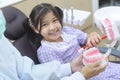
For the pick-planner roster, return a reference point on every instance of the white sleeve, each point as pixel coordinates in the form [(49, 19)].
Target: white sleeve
[(46, 71), (64, 73), (49, 71), (75, 76)]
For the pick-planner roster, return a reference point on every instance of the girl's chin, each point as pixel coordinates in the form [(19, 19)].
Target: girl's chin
[(55, 39)]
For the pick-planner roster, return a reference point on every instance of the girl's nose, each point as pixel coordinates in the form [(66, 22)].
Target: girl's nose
[(51, 27)]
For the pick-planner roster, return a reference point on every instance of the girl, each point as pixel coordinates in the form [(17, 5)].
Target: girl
[(53, 41)]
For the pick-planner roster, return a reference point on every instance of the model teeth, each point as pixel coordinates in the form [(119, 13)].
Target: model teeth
[(92, 54), (93, 57), (110, 29), (108, 35)]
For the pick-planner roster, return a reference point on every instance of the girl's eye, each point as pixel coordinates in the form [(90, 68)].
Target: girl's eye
[(55, 20), (44, 24)]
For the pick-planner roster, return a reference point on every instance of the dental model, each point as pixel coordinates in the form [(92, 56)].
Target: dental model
[(92, 55), (110, 29)]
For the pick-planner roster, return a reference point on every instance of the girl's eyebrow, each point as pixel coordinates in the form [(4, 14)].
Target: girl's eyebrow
[(54, 17)]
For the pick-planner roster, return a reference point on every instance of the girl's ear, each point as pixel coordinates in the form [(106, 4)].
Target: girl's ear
[(60, 12), (35, 30)]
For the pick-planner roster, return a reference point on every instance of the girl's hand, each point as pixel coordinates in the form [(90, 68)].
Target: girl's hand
[(93, 39)]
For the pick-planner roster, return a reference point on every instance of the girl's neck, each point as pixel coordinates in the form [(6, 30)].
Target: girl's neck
[(58, 40)]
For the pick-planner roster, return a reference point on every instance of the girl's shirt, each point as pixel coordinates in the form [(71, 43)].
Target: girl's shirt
[(64, 51)]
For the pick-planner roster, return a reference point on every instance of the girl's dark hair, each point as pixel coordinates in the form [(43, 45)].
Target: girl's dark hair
[(35, 17)]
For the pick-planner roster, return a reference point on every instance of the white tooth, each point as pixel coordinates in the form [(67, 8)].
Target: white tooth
[(106, 28), (92, 49), (100, 55), (104, 25), (108, 35), (107, 31), (93, 57), (109, 38), (89, 57), (96, 56), (110, 27), (85, 56), (85, 53), (89, 51)]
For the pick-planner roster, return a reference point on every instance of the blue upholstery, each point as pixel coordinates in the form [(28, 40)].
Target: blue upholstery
[(114, 52)]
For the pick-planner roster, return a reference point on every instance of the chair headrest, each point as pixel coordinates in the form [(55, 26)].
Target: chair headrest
[(14, 22)]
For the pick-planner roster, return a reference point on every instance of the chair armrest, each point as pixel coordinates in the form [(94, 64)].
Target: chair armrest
[(114, 52)]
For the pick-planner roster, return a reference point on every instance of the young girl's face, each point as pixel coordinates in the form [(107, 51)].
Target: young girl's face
[(51, 28)]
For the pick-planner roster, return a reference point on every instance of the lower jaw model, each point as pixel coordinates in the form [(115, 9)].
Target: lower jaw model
[(92, 55)]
